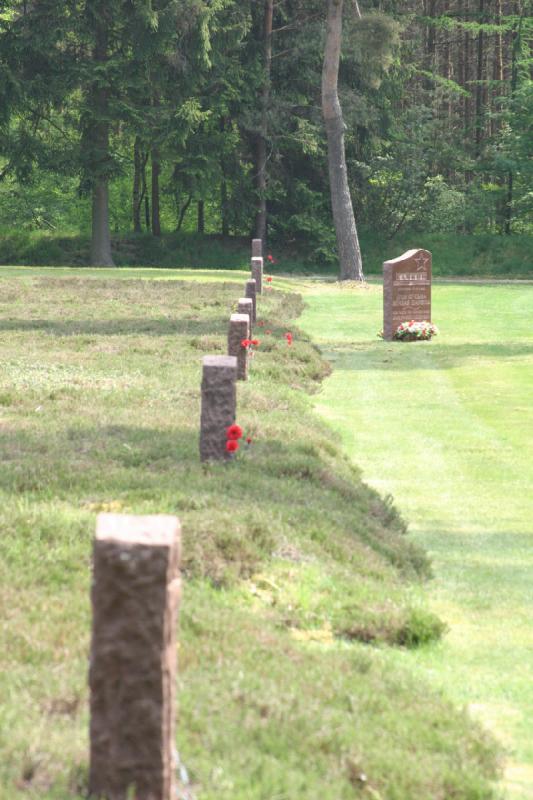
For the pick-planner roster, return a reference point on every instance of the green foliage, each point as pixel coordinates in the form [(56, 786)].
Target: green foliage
[(182, 81)]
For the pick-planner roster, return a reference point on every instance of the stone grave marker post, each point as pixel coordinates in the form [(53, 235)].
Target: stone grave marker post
[(237, 331), (246, 307), (257, 274), (135, 597), (257, 248), (406, 290), (219, 405), (251, 293)]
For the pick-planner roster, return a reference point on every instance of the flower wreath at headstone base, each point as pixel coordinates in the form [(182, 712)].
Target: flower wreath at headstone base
[(415, 331)]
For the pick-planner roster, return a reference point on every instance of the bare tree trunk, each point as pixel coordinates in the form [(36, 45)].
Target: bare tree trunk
[(100, 235), (224, 207), (201, 217), (136, 194), (261, 142), (351, 266), (515, 50), (156, 171), (479, 79)]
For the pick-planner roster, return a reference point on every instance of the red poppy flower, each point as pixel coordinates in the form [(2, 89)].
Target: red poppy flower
[(270, 258), (261, 323), (232, 445), (248, 440), (234, 432), (269, 279), (255, 342), (246, 342)]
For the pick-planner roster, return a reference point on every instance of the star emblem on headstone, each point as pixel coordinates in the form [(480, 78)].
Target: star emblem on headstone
[(421, 261)]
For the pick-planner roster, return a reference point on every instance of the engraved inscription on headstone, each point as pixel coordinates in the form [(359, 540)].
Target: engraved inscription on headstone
[(257, 248), (135, 597), (219, 402), (406, 290), (257, 274)]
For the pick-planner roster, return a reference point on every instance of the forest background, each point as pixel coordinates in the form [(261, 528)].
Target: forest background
[(204, 116)]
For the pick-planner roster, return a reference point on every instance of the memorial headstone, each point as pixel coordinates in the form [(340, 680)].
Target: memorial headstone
[(219, 405), (406, 290), (257, 248), (250, 292), (257, 274), (246, 307), (237, 333), (135, 597)]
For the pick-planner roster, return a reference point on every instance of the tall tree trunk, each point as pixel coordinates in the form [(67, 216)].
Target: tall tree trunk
[(100, 236), (224, 207), (147, 212), (351, 266), (467, 73), (261, 141), (156, 171), (516, 44), (136, 194), (479, 79), (201, 217)]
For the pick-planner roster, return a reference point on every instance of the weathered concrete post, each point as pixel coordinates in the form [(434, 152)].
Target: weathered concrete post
[(250, 292), (406, 290), (257, 248), (135, 598), (246, 306), (237, 331), (257, 274), (219, 405)]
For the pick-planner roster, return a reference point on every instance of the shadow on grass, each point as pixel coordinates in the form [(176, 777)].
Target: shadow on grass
[(118, 327), (421, 355), (148, 465)]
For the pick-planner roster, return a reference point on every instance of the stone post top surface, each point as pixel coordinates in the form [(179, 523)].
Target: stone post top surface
[(246, 301), (220, 361), (408, 255), (257, 258), (156, 530), (251, 281), (239, 318)]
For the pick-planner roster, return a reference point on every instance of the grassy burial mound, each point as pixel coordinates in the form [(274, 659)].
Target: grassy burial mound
[(297, 576)]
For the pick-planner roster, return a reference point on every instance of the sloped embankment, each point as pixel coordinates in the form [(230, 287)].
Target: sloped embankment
[(292, 565)]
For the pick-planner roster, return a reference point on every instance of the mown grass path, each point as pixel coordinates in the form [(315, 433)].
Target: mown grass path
[(447, 428)]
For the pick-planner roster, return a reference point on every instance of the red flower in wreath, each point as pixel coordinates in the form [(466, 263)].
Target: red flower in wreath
[(269, 279), (255, 342), (234, 432), (246, 342), (232, 445)]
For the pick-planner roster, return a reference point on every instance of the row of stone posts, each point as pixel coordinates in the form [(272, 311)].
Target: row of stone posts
[(219, 373), (136, 591)]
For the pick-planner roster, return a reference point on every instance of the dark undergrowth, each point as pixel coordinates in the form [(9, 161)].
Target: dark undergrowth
[(480, 255)]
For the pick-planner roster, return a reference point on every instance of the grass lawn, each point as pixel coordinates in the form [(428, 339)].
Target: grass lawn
[(300, 583), (447, 428)]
